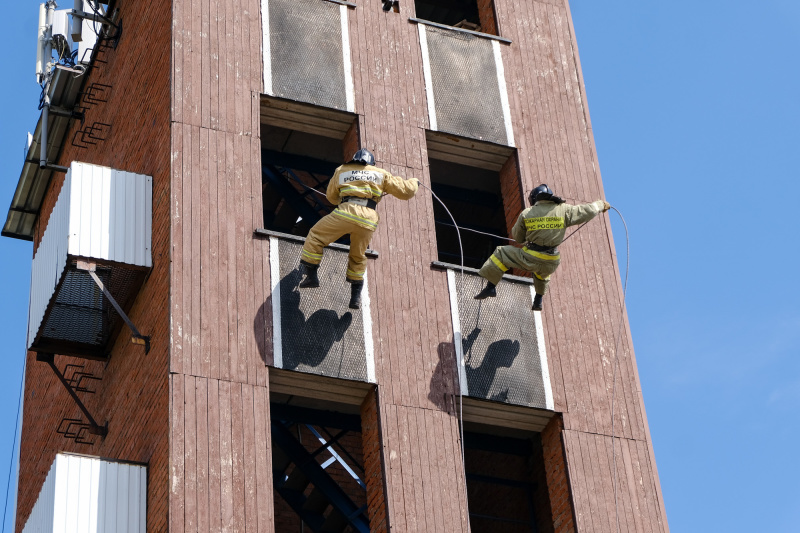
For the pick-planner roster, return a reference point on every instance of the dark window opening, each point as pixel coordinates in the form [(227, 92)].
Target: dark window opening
[(506, 484), (318, 467), (473, 197), (475, 15), (296, 167)]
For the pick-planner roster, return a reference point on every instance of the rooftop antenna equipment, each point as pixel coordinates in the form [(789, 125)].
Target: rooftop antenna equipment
[(44, 49)]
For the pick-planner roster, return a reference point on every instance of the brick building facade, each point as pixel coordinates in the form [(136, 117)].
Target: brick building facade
[(236, 110)]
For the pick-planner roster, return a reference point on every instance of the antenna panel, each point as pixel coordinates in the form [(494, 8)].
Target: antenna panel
[(89, 32)]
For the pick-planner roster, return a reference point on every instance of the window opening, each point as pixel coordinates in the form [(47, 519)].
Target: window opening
[(474, 199), (296, 167), (475, 15), (318, 467), (506, 483)]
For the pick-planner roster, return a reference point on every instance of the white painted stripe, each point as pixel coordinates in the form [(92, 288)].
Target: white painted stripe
[(266, 47), (366, 318), (426, 71), (540, 344), (456, 317), (348, 64), (274, 281), (501, 81)]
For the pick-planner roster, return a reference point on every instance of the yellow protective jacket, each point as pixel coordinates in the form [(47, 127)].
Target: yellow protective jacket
[(546, 222), (365, 181)]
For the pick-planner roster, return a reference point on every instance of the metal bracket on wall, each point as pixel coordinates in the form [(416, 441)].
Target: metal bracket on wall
[(136, 338), (109, 22), (74, 428)]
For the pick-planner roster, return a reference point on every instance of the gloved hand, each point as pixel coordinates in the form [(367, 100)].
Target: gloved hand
[(606, 206)]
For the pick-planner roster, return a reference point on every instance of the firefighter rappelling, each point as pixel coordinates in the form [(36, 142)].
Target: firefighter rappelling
[(541, 228), (355, 188)]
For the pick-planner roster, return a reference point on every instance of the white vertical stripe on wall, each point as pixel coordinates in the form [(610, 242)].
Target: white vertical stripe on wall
[(274, 278), (348, 65), (426, 72), (501, 82), (90, 495), (542, 349), (265, 47), (456, 317), (101, 213), (369, 346)]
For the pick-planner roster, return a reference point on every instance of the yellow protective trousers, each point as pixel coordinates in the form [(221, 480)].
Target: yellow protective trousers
[(505, 257), (330, 228)]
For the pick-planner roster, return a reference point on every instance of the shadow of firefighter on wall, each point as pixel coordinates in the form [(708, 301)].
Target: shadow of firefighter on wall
[(309, 343), (482, 369)]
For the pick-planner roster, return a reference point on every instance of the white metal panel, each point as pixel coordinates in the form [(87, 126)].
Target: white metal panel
[(111, 215), (90, 495), (50, 259), (101, 213), (89, 31), (41, 517)]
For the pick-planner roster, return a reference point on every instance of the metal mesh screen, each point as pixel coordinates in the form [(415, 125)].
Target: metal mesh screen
[(79, 319), (466, 93), (321, 335), (306, 52), (500, 345)]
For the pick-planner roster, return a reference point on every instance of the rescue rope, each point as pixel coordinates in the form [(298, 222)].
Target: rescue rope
[(460, 340), (498, 236), (616, 357), (14, 442)]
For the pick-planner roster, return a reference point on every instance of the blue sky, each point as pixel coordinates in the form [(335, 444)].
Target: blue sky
[(695, 107)]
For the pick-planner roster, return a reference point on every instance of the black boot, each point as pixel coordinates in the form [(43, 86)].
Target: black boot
[(537, 303), (355, 294), (310, 280), (487, 292)]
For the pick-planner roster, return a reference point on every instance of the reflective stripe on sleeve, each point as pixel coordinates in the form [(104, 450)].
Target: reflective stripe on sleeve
[(540, 255), (499, 263)]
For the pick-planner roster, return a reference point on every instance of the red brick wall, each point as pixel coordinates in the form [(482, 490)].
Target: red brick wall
[(557, 479), (486, 14), (373, 463), (133, 394), (511, 190)]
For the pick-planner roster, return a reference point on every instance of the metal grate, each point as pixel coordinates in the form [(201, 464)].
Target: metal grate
[(465, 85), (321, 335), (79, 320), (306, 52), (500, 345)]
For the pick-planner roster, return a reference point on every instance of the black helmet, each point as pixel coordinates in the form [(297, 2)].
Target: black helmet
[(364, 157), (542, 190)]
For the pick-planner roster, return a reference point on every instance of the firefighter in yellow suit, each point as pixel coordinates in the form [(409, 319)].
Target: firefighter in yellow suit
[(541, 227), (355, 188)]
